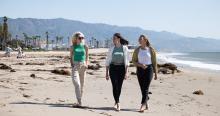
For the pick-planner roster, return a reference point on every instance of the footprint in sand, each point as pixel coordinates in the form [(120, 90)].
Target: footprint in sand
[(26, 96), (2, 105), (106, 114)]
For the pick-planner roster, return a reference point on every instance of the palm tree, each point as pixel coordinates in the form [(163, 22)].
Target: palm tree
[(59, 39), (52, 43), (37, 40), (47, 36), (26, 38)]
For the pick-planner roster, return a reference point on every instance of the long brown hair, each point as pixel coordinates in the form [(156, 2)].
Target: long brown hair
[(123, 41), (146, 39)]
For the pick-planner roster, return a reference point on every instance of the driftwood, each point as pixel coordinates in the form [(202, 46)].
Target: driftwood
[(35, 64), (61, 72), (5, 67), (94, 67)]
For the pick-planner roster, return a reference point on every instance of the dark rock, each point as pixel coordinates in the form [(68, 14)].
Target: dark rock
[(12, 70), (167, 68), (33, 75), (27, 96), (5, 67), (198, 92)]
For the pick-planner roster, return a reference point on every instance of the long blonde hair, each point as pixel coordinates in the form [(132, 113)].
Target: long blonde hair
[(74, 38)]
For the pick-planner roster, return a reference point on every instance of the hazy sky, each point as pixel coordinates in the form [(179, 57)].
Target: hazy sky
[(186, 17)]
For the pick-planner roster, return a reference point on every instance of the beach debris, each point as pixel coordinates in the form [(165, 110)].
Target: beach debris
[(170, 105), (105, 113), (91, 57), (23, 83), (3, 86), (167, 68), (28, 63), (22, 89), (94, 67), (198, 92), (27, 96), (46, 99), (33, 75), (164, 71), (5, 67), (101, 58), (90, 73), (12, 70), (61, 72), (2, 105), (61, 100), (94, 61), (133, 73), (40, 70), (20, 63)]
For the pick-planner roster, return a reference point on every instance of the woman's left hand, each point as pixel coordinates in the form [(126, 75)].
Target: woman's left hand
[(126, 76), (155, 78)]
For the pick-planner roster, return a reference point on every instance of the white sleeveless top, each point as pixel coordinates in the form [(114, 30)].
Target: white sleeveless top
[(144, 56)]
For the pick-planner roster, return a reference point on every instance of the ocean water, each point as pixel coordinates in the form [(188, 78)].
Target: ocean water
[(204, 60)]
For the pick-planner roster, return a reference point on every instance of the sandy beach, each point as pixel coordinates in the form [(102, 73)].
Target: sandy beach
[(48, 94)]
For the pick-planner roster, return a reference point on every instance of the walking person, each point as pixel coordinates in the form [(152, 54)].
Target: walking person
[(79, 61), (20, 53), (8, 51), (144, 58), (117, 63)]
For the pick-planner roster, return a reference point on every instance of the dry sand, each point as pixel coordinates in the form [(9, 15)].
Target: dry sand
[(50, 94)]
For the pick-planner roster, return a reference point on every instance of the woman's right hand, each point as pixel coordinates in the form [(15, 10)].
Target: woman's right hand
[(107, 77), (143, 66)]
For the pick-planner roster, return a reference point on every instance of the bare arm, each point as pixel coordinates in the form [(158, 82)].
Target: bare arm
[(71, 55), (107, 74), (87, 54)]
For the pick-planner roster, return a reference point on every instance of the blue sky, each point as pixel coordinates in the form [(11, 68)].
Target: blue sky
[(186, 17)]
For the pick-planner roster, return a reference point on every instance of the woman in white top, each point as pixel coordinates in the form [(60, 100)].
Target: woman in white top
[(117, 63), (144, 58)]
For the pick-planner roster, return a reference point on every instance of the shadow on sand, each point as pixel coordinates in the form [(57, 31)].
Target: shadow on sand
[(73, 106)]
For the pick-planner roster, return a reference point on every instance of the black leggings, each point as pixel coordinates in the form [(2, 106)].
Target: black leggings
[(144, 78), (117, 74)]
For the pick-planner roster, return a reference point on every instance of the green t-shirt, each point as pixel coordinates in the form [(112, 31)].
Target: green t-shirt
[(118, 55), (79, 53)]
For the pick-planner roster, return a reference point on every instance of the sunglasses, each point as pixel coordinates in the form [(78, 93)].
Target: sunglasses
[(80, 38)]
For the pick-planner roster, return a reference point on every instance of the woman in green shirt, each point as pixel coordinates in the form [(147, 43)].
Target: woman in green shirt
[(79, 62)]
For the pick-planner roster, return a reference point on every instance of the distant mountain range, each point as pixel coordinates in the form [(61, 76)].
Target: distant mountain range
[(162, 41)]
